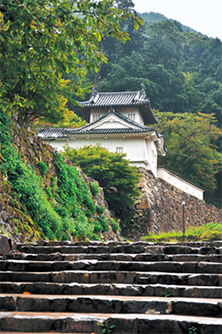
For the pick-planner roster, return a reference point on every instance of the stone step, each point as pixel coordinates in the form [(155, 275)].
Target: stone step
[(91, 323), (111, 304), (95, 265), (121, 248), (216, 243), (130, 277), (142, 257), (112, 289)]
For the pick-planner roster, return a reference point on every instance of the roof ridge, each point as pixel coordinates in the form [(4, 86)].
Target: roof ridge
[(127, 92)]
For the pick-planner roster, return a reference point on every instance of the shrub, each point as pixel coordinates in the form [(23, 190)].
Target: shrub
[(100, 209), (104, 223), (115, 226), (94, 188), (97, 227), (111, 170), (43, 168)]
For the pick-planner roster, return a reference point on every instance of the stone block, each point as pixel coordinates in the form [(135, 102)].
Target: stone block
[(141, 185), (24, 323), (145, 204), (7, 303), (204, 309), (123, 325), (4, 245), (155, 326), (201, 279), (72, 325)]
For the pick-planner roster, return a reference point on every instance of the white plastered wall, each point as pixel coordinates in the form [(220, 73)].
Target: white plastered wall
[(138, 150), (180, 183)]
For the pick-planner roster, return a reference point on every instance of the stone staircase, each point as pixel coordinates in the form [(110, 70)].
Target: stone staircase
[(112, 287)]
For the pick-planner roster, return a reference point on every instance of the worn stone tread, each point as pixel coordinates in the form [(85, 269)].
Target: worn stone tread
[(128, 277), (213, 300), (96, 265), (121, 248), (124, 323), (111, 304), (143, 257), (97, 316), (111, 289)]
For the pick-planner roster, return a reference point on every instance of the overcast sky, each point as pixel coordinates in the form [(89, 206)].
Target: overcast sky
[(204, 16)]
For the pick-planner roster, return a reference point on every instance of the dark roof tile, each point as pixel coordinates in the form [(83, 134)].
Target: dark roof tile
[(116, 99)]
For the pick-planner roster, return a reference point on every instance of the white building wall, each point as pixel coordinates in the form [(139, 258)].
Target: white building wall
[(112, 124), (180, 183), (137, 150), (95, 114), (110, 144), (129, 114), (152, 154)]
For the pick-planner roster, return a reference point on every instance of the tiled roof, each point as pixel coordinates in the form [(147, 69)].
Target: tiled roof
[(51, 133), (64, 133), (101, 99), (54, 133), (117, 130), (119, 100)]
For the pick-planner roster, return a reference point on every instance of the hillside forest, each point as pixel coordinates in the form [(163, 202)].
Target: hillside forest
[(182, 72), (52, 55)]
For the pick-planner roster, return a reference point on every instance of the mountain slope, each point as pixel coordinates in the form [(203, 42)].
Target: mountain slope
[(153, 17)]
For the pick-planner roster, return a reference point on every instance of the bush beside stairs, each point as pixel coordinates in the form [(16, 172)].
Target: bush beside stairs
[(112, 287)]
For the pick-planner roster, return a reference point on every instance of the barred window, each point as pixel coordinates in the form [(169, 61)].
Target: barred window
[(95, 117), (119, 150), (131, 116)]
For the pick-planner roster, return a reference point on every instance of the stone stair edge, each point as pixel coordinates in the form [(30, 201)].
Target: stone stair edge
[(94, 315), (113, 242), (117, 289), (119, 249), (107, 297)]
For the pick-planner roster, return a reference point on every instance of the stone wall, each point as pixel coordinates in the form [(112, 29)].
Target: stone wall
[(159, 208)]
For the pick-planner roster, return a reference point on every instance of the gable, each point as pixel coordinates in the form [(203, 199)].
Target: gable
[(111, 121)]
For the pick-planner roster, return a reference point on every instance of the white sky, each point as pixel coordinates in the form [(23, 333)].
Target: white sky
[(204, 16)]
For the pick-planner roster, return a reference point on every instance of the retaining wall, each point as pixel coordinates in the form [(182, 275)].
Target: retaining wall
[(159, 208)]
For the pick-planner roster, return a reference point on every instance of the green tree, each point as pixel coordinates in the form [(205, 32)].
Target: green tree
[(111, 170), (41, 41), (191, 143)]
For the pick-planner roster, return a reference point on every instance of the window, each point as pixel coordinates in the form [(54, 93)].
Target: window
[(131, 116), (95, 117), (119, 150)]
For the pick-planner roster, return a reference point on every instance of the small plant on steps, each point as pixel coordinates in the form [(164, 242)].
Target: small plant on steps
[(106, 329), (192, 330)]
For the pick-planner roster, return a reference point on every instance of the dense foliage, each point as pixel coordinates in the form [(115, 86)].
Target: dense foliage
[(113, 173), (63, 209), (43, 41), (181, 70), (191, 142)]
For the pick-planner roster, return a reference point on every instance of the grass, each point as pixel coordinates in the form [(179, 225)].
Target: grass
[(207, 232)]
